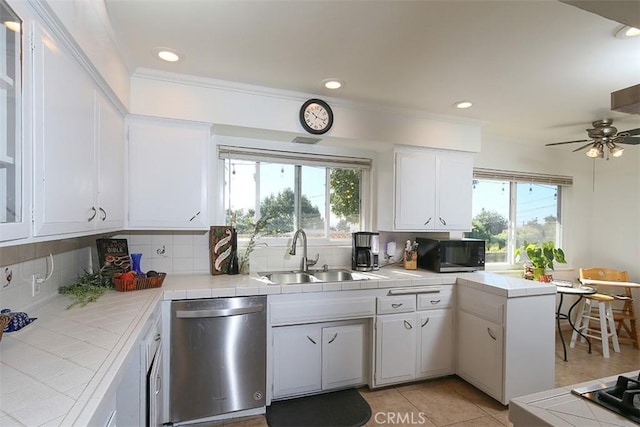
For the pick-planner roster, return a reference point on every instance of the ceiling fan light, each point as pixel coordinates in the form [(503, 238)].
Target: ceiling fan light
[(593, 152), (616, 151)]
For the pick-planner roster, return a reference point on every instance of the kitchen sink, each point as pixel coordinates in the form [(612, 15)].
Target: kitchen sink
[(288, 278), (297, 277), (333, 275)]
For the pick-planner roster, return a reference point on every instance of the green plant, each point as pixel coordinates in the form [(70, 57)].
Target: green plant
[(87, 287), (541, 255), (251, 245)]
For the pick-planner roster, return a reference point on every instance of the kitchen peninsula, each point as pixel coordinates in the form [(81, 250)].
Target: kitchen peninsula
[(504, 303)]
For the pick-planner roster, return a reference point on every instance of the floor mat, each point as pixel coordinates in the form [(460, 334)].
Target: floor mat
[(345, 408)]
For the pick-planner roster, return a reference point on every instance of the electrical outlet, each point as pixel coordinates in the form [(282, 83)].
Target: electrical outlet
[(35, 285)]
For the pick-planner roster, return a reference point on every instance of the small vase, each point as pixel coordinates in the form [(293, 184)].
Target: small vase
[(537, 272), (135, 264)]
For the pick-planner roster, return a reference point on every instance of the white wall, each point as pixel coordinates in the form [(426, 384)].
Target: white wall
[(251, 107)]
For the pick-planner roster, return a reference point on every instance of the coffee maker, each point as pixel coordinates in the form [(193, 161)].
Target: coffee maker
[(366, 246)]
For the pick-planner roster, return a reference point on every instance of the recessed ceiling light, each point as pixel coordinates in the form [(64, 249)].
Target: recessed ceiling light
[(166, 54), (463, 104), (12, 25), (626, 32), (332, 83)]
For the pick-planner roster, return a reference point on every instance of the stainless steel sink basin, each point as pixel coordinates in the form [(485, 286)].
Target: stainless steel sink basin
[(297, 277), (333, 275), (288, 278)]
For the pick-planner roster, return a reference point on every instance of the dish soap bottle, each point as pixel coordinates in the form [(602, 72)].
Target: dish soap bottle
[(233, 259)]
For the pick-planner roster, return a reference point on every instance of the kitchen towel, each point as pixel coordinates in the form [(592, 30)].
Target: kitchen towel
[(344, 408)]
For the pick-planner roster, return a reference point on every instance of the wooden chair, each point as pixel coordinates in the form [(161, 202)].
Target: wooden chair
[(624, 316)]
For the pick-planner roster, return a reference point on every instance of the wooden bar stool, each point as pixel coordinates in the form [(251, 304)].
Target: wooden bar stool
[(624, 313), (597, 308)]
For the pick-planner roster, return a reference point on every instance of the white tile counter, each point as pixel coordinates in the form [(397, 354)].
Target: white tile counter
[(56, 370)]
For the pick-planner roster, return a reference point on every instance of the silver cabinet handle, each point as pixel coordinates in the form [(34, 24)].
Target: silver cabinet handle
[(104, 213), (435, 301), (310, 339), (407, 325), (490, 332), (158, 384), (442, 221), (428, 221), (425, 322), (95, 212), (224, 312), (396, 305), (194, 216), (333, 339)]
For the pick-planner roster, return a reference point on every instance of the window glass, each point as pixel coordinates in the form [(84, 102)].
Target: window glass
[(325, 202), (508, 213)]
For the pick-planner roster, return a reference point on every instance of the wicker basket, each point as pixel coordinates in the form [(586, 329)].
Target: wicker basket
[(139, 283), (4, 321)]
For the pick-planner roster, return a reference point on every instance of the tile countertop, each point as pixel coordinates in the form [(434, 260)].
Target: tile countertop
[(57, 370), (561, 408)]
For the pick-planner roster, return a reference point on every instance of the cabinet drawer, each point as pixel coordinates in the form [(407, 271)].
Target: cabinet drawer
[(442, 299), (482, 304), (396, 304)]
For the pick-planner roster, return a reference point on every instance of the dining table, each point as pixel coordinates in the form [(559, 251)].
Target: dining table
[(572, 289)]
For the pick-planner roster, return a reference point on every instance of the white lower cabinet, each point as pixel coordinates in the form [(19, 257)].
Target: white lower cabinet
[(395, 348), (316, 357), (436, 343), (501, 350), (413, 344), (480, 359)]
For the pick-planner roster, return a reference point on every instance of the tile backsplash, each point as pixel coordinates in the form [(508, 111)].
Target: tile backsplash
[(188, 252), (16, 279)]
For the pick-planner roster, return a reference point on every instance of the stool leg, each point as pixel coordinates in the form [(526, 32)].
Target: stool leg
[(577, 323), (604, 335), (612, 328)]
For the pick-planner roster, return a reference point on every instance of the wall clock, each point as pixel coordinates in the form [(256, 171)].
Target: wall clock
[(316, 116)]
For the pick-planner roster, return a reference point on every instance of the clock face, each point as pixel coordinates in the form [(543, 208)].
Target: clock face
[(316, 116)]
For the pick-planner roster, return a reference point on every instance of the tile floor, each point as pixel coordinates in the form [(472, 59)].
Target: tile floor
[(451, 401)]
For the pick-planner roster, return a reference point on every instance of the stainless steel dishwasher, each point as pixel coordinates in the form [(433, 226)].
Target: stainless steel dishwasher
[(218, 356)]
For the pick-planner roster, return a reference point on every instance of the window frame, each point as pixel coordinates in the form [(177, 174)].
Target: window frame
[(515, 178), (327, 158)]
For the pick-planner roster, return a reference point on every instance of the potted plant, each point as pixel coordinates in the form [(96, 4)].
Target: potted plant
[(541, 256)]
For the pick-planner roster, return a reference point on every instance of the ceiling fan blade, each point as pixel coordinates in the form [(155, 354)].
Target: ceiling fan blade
[(632, 131), (631, 140), (566, 142), (584, 146)]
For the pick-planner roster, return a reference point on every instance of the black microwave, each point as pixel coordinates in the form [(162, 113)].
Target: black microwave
[(451, 255)]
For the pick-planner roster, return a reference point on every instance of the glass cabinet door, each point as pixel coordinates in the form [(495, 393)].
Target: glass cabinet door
[(11, 160)]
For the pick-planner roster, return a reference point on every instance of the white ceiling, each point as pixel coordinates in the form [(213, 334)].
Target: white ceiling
[(537, 71)]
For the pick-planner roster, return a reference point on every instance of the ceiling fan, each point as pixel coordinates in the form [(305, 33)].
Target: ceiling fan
[(604, 135)]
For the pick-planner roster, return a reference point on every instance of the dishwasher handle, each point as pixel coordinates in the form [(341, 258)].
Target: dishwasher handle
[(222, 312)]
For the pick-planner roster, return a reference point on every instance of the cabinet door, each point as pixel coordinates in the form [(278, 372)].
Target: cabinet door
[(395, 348), (435, 343), (296, 360), (415, 190), (64, 140), (111, 171), (480, 353), (14, 151), (343, 356), (168, 174), (454, 176)]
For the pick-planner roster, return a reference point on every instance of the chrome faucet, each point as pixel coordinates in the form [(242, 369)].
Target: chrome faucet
[(305, 263)]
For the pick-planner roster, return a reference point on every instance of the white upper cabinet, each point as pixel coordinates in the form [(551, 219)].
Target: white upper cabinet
[(425, 190), (79, 147), (111, 165), (168, 174), (14, 218)]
